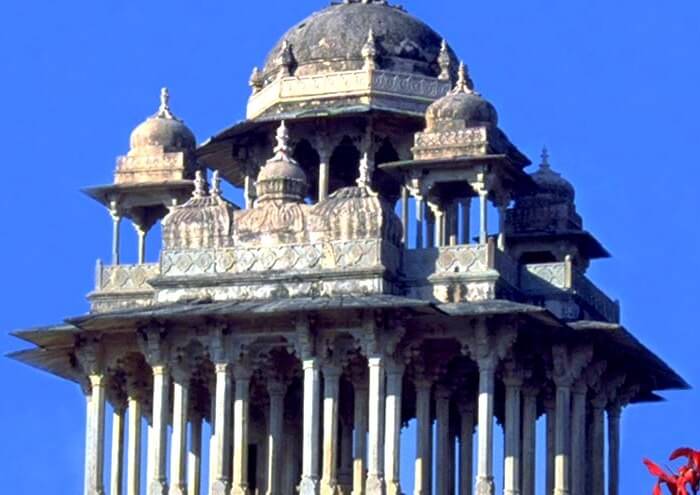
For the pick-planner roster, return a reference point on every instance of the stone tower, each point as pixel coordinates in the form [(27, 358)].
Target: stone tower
[(361, 288)]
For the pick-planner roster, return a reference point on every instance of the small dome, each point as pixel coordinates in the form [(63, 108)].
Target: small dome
[(551, 183), (204, 221), (281, 178), (163, 130), (333, 39), (461, 107)]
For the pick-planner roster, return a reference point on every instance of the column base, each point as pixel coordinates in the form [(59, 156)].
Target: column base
[(239, 490), (158, 488), (178, 490), (559, 491), (485, 486), (308, 486), (375, 485), (219, 487), (393, 488), (329, 487)]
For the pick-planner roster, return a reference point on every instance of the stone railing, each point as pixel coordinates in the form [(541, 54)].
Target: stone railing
[(553, 278), (338, 255), (125, 278), (347, 83)]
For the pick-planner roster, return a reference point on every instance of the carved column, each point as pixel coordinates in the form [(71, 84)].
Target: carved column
[(178, 447), (567, 365), (424, 438), (487, 347), (442, 425), (502, 207), (529, 446), (312, 417), (404, 213), (116, 231), (614, 414), (483, 216), (392, 442), (324, 154), (220, 454), (141, 233), (331, 393), (360, 421), (549, 451), (117, 458), (239, 477), (133, 456), (276, 389), (578, 439), (194, 458), (597, 441), (161, 413), (466, 220), (466, 447), (375, 448), (90, 359), (513, 380), (420, 216)]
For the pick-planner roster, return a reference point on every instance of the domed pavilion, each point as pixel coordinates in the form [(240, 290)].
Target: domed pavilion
[(362, 301)]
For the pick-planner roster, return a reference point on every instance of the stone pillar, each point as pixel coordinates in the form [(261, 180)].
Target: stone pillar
[(194, 458), (249, 187), (360, 420), (466, 447), (562, 440), (331, 393), (158, 482), (116, 231), (502, 226), (424, 439), (549, 451), (94, 449), (483, 217), (239, 477), (324, 154), (442, 426), (614, 414), (487, 385), (404, 213), (420, 216), (220, 457), (117, 458), (513, 382), (529, 446), (178, 447), (375, 448), (392, 442), (453, 222), (133, 457), (276, 389), (312, 417), (466, 220), (597, 440), (141, 248), (578, 439)]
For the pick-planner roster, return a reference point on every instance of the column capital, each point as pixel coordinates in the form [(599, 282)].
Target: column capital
[(153, 344), (90, 356), (514, 374), (488, 347), (567, 364)]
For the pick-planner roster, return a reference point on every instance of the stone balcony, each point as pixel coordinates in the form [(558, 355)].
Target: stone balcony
[(568, 293), (123, 286), (413, 92), (473, 272)]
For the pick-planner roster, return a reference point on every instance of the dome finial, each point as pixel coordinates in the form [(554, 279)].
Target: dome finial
[(545, 158), (369, 51), (282, 151), (216, 184), (444, 62), (200, 185), (464, 82), (164, 111)]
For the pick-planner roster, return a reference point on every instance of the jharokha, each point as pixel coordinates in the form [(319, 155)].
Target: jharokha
[(361, 294)]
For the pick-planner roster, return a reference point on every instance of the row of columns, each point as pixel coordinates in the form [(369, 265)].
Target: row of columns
[(575, 447), (438, 225), (141, 233)]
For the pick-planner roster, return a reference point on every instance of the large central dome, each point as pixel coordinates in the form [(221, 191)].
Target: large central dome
[(332, 40)]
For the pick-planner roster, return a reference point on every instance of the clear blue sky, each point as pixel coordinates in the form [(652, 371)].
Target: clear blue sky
[(610, 86)]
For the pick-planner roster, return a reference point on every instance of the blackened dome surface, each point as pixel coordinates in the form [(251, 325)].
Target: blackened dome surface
[(332, 40), (461, 106)]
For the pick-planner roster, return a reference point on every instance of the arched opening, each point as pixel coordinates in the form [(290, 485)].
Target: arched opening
[(390, 187), (309, 161), (344, 165)]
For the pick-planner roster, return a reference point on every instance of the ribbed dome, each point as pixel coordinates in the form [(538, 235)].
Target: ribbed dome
[(163, 130), (333, 40), (461, 106), (551, 183), (281, 178)]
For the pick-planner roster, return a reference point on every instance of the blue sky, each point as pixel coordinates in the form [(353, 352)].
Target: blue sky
[(609, 87)]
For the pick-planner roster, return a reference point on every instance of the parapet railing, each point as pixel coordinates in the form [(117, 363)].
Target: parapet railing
[(551, 278), (125, 278)]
